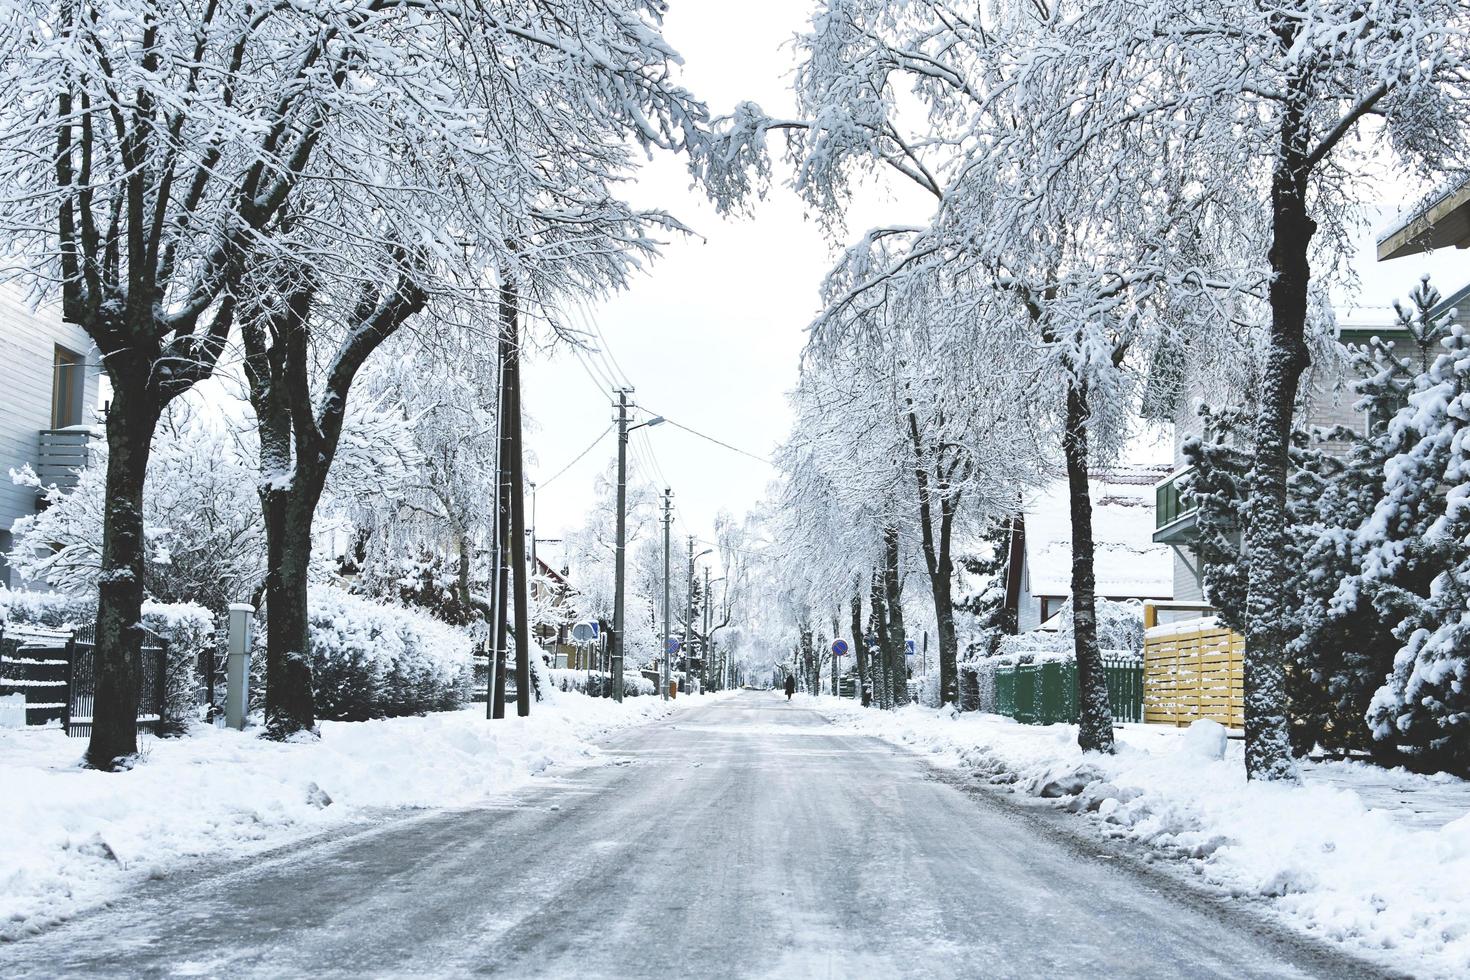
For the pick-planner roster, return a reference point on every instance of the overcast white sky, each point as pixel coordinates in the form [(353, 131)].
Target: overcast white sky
[(711, 336)]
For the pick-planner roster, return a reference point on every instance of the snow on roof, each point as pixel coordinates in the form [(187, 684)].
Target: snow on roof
[(1127, 562)]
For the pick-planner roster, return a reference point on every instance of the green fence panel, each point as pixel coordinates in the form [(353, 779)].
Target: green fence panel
[(1068, 712), (1005, 691), (1028, 707), (1051, 683), (1125, 689)]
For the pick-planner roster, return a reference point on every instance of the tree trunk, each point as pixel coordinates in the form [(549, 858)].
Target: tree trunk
[(860, 646), (937, 562), (882, 662), (836, 631), (1094, 715), (893, 599), (131, 419), (1267, 729), (290, 703)]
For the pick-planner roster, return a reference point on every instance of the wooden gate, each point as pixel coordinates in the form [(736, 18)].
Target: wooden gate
[(1192, 670)]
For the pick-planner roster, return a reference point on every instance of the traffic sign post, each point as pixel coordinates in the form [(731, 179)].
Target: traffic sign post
[(839, 648)]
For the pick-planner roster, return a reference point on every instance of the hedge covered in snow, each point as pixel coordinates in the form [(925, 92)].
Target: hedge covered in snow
[(595, 682), (370, 660)]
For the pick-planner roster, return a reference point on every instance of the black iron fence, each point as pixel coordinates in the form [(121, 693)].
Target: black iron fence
[(151, 669), (55, 671)]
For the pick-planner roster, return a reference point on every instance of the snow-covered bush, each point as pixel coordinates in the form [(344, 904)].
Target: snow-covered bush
[(201, 519), (370, 660), (595, 683), (1420, 528)]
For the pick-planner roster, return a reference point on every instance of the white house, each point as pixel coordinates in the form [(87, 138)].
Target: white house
[(48, 396), (1127, 562)]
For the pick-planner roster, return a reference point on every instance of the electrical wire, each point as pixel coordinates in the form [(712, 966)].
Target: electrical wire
[(547, 482), (717, 442)]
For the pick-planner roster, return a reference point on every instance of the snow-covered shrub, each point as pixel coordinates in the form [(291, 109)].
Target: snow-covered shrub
[(595, 683), (1420, 528), (370, 660), (201, 519), (189, 630)]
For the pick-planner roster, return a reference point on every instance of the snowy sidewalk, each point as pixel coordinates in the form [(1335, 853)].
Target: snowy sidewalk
[(72, 838), (1376, 860)]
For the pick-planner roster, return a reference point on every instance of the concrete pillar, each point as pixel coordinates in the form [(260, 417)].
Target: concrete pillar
[(237, 673)]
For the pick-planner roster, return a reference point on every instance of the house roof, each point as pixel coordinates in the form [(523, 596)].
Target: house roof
[(1127, 562), (1441, 223)]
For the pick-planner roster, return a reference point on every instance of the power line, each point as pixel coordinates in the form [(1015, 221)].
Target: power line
[(547, 482), (717, 442)]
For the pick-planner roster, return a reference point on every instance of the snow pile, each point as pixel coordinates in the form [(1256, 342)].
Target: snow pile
[(71, 837), (1334, 865)]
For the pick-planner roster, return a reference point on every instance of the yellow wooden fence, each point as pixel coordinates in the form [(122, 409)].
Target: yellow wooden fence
[(1193, 670)]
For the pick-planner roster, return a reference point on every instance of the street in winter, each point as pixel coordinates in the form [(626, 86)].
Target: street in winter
[(797, 488)]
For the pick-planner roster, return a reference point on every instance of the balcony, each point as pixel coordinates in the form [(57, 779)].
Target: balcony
[(61, 453), (1173, 518)]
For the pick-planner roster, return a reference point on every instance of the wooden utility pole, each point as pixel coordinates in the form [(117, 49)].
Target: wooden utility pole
[(621, 546), (495, 696), (689, 617), (668, 654), (510, 318)]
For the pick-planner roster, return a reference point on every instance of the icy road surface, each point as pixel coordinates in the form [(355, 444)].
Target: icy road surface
[(744, 839)]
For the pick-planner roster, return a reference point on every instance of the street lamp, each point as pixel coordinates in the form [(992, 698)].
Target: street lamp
[(623, 430)]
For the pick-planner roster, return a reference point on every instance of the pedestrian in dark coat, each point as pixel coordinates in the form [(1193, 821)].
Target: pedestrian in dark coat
[(790, 686)]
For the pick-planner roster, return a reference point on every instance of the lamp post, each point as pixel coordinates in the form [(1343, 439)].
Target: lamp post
[(623, 432)]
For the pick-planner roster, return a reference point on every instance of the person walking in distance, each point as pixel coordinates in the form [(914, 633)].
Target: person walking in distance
[(790, 686)]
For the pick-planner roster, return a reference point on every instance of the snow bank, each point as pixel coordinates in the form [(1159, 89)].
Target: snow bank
[(71, 837), (1334, 864)]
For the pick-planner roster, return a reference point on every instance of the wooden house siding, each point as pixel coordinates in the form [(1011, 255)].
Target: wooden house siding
[(28, 342)]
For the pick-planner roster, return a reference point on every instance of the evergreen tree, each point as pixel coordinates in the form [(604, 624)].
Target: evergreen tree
[(1341, 623), (1416, 567)]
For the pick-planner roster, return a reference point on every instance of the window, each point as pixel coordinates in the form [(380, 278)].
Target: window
[(67, 383)]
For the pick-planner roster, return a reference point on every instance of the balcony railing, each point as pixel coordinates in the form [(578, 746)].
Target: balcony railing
[(61, 453), (1168, 506)]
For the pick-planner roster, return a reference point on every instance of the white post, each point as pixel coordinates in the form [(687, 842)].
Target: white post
[(237, 674)]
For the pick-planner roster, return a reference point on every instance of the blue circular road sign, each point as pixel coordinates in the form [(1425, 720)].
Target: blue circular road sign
[(839, 648)]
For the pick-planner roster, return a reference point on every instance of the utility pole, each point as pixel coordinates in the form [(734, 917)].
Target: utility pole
[(509, 314), (617, 642), (689, 619), (668, 654), (495, 694)]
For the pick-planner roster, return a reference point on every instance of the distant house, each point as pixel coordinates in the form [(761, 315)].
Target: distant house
[(48, 375), (1127, 562)]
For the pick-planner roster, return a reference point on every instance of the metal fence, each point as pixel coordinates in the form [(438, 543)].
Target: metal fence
[(151, 669), (1046, 693)]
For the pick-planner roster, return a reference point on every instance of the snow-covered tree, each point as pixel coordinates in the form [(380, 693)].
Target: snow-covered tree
[(1417, 532), (200, 519)]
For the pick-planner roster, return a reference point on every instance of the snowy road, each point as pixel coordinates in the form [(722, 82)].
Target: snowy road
[(744, 839)]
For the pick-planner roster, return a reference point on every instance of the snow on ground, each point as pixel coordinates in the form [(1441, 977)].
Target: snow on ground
[(72, 838), (1376, 860)]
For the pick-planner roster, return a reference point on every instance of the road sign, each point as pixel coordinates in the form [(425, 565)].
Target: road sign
[(671, 645), (839, 648), (908, 647), (585, 632)]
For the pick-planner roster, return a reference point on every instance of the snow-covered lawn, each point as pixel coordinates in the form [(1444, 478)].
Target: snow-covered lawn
[(1378, 861), (72, 838)]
